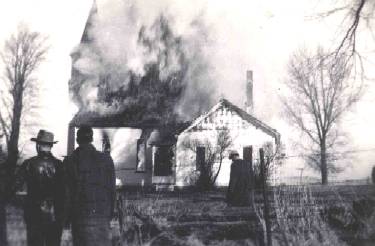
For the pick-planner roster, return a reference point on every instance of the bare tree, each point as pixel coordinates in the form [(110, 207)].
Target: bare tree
[(273, 159), (338, 157), (320, 93), (21, 55), (3, 234), (214, 154)]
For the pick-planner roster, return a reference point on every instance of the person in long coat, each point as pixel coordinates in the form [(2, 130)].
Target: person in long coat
[(91, 193), (238, 193), (44, 210)]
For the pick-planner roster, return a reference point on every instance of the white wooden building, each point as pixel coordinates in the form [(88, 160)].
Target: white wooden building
[(154, 155), (244, 130)]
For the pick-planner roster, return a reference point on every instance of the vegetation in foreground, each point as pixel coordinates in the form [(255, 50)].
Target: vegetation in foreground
[(300, 216)]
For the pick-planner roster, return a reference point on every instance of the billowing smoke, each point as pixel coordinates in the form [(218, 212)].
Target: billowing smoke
[(144, 63)]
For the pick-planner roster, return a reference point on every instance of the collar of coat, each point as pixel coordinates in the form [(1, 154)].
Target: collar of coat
[(87, 146)]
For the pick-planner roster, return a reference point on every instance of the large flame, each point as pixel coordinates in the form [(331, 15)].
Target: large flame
[(143, 69)]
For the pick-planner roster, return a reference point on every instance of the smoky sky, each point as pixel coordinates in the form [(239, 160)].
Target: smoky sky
[(129, 36), (129, 61), (238, 35)]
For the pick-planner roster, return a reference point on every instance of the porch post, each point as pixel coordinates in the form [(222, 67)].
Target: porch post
[(248, 157), (71, 139)]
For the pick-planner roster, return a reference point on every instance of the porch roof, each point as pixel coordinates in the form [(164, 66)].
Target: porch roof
[(97, 120)]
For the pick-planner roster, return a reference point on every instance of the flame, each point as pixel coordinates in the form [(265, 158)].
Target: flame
[(150, 66)]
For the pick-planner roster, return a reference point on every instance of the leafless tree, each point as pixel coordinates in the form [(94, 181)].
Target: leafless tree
[(273, 159), (215, 152), (338, 156), (320, 92), (21, 55)]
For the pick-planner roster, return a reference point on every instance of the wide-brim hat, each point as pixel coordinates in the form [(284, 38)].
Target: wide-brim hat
[(44, 137)]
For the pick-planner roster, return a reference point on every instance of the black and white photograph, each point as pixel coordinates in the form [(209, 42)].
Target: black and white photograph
[(187, 123)]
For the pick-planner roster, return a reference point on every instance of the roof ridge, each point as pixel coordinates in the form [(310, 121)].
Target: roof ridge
[(85, 38), (242, 113)]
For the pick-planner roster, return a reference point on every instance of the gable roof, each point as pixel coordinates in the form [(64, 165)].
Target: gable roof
[(95, 119), (242, 113), (89, 23)]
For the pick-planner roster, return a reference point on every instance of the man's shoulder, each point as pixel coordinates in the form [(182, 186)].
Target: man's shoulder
[(93, 152), (106, 157), (55, 159), (30, 160), (243, 162), (29, 163), (237, 161), (69, 158), (33, 158), (37, 159)]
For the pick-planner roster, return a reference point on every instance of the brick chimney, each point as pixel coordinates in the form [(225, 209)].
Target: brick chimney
[(249, 104)]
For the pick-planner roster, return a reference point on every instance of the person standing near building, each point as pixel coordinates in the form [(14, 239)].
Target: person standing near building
[(90, 179), (44, 210), (238, 193)]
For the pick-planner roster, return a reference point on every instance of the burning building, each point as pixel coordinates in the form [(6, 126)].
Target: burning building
[(144, 119)]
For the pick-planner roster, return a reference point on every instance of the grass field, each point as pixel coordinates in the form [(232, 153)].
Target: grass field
[(340, 215)]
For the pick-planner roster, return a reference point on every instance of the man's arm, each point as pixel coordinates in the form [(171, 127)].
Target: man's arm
[(67, 207), (60, 194), (20, 179), (231, 182), (112, 184)]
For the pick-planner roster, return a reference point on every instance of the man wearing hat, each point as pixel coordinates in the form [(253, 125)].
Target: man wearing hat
[(91, 193), (238, 193), (43, 175)]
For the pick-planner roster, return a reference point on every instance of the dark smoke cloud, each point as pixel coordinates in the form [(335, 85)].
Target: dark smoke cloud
[(148, 69)]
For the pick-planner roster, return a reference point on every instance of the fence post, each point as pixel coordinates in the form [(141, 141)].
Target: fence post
[(265, 198), (71, 139), (257, 225)]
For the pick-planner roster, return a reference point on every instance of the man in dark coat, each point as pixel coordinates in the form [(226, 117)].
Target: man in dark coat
[(43, 175), (239, 184), (90, 179)]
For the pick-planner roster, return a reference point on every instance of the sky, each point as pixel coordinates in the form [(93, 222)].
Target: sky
[(255, 35)]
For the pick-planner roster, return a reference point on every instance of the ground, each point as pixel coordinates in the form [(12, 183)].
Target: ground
[(342, 215)]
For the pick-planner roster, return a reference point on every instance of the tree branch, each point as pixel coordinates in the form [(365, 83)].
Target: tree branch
[(4, 127), (350, 34), (320, 92)]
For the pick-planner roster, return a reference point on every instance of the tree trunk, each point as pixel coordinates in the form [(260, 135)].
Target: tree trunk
[(3, 224), (323, 162), (218, 171), (13, 153), (8, 173)]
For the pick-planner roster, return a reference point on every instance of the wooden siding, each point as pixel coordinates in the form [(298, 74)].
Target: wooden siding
[(242, 132)]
